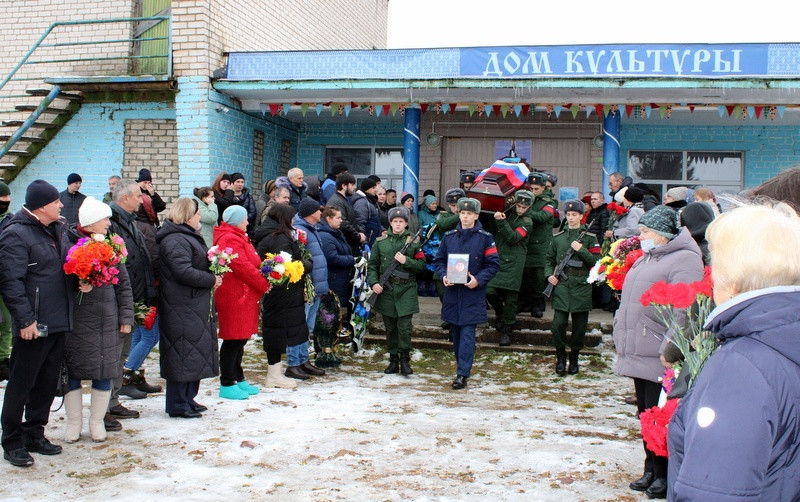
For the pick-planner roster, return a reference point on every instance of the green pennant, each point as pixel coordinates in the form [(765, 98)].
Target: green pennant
[(737, 111), (334, 108), (574, 109), (504, 110), (303, 108), (394, 109), (662, 111), (472, 108)]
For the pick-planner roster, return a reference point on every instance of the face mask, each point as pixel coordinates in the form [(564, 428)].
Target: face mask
[(648, 245), (4, 206)]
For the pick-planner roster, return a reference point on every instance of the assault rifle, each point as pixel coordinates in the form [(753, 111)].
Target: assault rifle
[(390, 270), (559, 271)]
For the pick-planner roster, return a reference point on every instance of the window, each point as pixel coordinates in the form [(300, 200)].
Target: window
[(385, 162), (718, 171)]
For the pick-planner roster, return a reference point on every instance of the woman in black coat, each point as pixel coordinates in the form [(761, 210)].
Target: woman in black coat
[(189, 349), (339, 257), (223, 195), (283, 314)]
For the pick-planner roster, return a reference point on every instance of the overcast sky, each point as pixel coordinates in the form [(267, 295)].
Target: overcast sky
[(459, 23)]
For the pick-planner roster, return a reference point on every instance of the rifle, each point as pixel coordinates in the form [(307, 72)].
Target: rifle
[(559, 271), (390, 270)]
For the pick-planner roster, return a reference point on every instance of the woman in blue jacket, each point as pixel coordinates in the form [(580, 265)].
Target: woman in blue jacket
[(735, 434)]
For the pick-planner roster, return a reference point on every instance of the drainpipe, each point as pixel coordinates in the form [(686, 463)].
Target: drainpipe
[(411, 152), (610, 149)]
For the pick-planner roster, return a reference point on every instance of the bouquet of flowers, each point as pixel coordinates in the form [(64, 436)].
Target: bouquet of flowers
[(655, 426), (144, 315), (96, 259), (302, 241), (281, 269), (220, 259), (614, 266)]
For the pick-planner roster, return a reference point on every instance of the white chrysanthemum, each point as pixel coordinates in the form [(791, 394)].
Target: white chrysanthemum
[(279, 268), (286, 256)]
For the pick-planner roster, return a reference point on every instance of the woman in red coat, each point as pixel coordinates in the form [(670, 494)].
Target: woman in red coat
[(237, 302)]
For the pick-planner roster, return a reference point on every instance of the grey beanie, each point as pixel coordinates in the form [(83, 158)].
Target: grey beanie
[(662, 220)]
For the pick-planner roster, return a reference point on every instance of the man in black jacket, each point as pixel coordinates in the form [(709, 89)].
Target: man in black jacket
[(72, 199), (353, 232), (127, 198), (39, 297)]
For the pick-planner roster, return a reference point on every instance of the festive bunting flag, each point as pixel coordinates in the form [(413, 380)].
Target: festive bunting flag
[(402, 109), (304, 108), (318, 108), (334, 107), (393, 108), (691, 108), (347, 110), (517, 110), (504, 110), (557, 110), (471, 108), (773, 111), (628, 110), (737, 111), (751, 111), (263, 107), (721, 110), (452, 107), (439, 109), (730, 109), (526, 109), (647, 110), (286, 107), (758, 111), (273, 109), (662, 112), (601, 111), (781, 109), (378, 110), (574, 109), (423, 107)]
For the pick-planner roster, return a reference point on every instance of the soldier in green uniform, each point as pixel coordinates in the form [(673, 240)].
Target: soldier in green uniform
[(541, 213), (398, 301), (572, 294), (510, 230)]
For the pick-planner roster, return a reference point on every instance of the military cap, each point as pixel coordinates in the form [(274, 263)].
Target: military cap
[(451, 196), (575, 205), (468, 177), (537, 179), (469, 204), (397, 212), (552, 178), (524, 197)]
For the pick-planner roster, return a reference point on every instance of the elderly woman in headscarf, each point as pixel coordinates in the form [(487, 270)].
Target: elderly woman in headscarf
[(640, 338)]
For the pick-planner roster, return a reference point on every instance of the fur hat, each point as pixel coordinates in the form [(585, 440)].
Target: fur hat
[(634, 194), (467, 177), (451, 196), (469, 204), (552, 178), (662, 220), (537, 179), (74, 178), (92, 211), (308, 206), (144, 175), (398, 212), (40, 193), (524, 197), (678, 193), (574, 205), (234, 215)]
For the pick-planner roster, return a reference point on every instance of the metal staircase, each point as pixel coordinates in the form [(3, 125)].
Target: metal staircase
[(34, 104)]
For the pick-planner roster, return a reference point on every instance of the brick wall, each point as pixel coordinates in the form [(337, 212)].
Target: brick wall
[(153, 144)]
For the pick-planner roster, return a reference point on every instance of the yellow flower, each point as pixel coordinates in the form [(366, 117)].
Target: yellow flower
[(294, 269)]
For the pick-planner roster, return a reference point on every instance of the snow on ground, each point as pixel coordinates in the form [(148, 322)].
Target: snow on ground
[(517, 433)]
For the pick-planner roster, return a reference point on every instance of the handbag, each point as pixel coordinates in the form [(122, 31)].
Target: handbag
[(62, 386)]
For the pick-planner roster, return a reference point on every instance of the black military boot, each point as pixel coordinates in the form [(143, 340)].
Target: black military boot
[(537, 310), (561, 362), (405, 364), (573, 362), (505, 335), (394, 364)]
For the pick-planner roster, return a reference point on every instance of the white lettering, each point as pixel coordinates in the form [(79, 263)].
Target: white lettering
[(700, 57), (616, 59), (634, 65), (678, 63), (540, 66), (656, 57), (511, 62), (723, 66), (594, 62), (492, 66), (737, 68), (573, 66)]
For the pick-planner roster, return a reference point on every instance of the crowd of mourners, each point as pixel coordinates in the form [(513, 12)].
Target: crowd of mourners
[(169, 291)]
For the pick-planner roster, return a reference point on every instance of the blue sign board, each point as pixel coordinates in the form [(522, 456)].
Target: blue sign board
[(564, 61)]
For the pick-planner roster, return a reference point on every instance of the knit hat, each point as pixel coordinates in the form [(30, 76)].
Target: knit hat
[(469, 204), (338, 169), (269, 186), (234, 215), (634, 194), (574, 205), (225, 176), (236, 176), (144, 175), (4, 190), (40, 193), (405, 196), (397, 212), (662, 220), (308, 206), (696, 217), (92, 211), (367, 183), (428, 199), (451, 196), (74, 178), (678, 193)]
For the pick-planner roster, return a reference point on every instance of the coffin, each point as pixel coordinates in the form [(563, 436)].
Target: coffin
[(495, 186)]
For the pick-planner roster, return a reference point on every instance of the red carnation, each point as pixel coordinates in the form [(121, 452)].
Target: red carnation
[(706, 285), (150, 318), (620, 210), (655, 425)]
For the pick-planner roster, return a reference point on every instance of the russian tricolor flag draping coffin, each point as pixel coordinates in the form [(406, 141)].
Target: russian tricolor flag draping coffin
[(499, 182)]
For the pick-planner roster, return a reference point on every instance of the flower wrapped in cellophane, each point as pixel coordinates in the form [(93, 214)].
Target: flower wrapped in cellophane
[(96, 259), (614, 266)]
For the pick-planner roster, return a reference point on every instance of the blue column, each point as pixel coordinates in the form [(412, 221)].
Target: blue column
[(610, 148), (411, 152)]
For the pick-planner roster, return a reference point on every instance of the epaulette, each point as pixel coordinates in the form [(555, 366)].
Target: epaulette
[(484, 232), (451, 231), (559, 233), (591, 234), (382, 237)]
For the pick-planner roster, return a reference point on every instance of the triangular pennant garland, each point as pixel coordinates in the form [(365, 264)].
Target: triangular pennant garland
[(263, 107), (318, 108)]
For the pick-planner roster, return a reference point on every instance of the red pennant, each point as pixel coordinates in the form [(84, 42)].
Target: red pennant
[(452, 107), (599, 109), (423, 107), (496, 109), (353, 105), (628, 110), (386, 110), (525, 109), (759, 109), (654, 106), (691, 108), (273, 109), (567, 106), (730, 109)]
